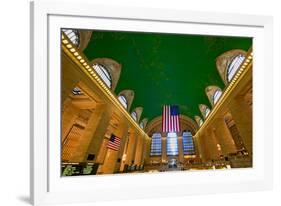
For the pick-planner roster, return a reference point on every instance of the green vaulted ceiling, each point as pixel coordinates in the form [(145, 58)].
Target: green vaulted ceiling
[(164, 68)]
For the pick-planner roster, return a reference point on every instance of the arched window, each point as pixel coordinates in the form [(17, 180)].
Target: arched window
[(172, 144), (234, 66), (187, 141), (207, 112), (123, 101), (134, 115), (200, 122), (103, 73), (216, 96), (156, 146), (142, 125), (73, 36)]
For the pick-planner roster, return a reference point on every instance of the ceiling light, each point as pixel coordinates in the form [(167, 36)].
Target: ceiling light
[(69, 46), (64, 41)]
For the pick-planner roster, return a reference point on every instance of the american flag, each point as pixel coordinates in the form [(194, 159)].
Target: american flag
[(114, 142), (170, 118)]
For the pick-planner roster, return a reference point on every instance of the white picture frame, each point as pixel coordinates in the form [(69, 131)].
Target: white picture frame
[(47, 186)]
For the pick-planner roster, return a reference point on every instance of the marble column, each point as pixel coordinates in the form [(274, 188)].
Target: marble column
[(144, 150), (147, 153), (199, 139), (111, 157), (211, 145), (180, 148), (196, 146), (103, 115), (138, 155), (242, 115), (224, 137), (131, 149), (164, 149), (124, 138)]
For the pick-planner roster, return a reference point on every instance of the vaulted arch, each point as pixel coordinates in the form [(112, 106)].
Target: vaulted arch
[(138, 111), (112, 66), (155, 125), (213, 93), (85, 36), (227, 61), (198, 120), (205, 110), (129, 96), (143, 123), (80, 38)]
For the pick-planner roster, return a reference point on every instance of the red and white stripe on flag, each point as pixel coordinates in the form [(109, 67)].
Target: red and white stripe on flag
[(170, 119), (114, 142)]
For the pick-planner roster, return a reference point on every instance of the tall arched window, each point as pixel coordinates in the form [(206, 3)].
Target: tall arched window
[(200, 122), (156, 146), (172, 144), (142, 125), (187, 141), (134, 115), (73, 36), (216, 96), (207, 112), (103, 73), (234, 66), (123, 101)]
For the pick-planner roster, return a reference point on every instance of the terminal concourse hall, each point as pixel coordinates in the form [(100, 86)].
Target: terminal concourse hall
[(138, 102)]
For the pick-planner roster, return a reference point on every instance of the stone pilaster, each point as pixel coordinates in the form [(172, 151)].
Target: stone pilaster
[(224, 137), (102, 116), (180, 148), (242, 115), (164, 149), (111, 158)]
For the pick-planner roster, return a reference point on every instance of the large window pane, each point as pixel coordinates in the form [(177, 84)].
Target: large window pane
[(155, 149), (188, 146), (234, 66), (172, 144), (103, 73)]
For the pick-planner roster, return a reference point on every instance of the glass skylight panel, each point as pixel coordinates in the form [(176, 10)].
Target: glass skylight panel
[(234, 66), (103, 73), (123, 101), (141, 125), (134, 115), (217, 96), (207, 111)]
